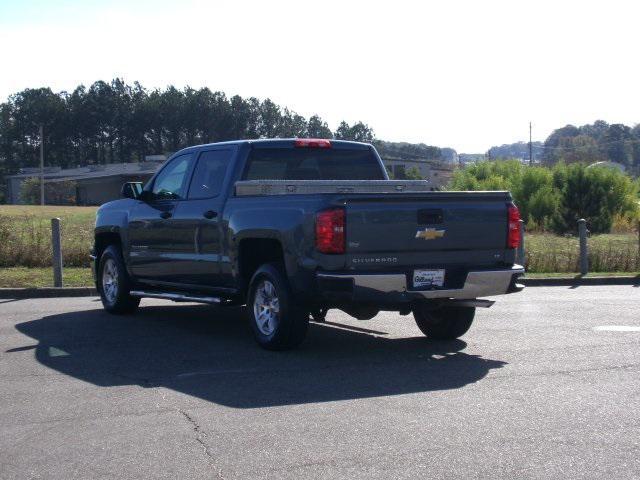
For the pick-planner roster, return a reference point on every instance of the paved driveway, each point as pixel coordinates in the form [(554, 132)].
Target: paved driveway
[(541, 387)]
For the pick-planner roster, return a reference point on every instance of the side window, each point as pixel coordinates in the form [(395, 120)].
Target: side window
[(170, 182), (209, 174)]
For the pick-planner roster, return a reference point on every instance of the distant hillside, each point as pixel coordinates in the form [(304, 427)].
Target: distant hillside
[(471, 157), (414, 151), (596, 142), (518, 150)]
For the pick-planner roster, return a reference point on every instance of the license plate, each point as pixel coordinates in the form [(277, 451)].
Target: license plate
[(428, 278)]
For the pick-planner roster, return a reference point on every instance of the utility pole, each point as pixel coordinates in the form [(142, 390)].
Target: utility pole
[(530, 147), (41, 164)]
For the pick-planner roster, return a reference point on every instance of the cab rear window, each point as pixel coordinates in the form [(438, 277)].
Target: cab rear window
[(312, 164)]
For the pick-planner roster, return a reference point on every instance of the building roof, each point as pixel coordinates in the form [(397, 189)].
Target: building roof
[(91, 171)]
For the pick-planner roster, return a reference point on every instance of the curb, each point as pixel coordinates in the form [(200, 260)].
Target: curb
[(578, 281), (47, 292)]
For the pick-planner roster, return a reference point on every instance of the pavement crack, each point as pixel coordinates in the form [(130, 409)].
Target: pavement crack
[(200, 438)]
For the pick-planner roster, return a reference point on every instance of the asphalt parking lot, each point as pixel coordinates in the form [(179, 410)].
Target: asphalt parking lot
[(545, 385)]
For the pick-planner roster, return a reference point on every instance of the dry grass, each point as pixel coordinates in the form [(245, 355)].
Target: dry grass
[(25, 235), (25, 241), (547, 253)]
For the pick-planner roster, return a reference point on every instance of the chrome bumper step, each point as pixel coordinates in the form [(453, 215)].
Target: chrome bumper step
[(176, 297)]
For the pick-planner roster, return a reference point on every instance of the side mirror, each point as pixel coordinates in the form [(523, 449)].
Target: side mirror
[(131, 190), (146, 196)]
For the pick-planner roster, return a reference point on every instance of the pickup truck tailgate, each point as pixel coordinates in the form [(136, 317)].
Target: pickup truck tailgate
[(423, 228)]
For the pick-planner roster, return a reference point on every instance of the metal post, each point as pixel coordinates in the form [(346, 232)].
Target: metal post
[(57, 252), (41, 165), (584, 260), (530, 147), (521, 247)]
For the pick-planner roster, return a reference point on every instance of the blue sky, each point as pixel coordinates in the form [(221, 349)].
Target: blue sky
[(461, 73)]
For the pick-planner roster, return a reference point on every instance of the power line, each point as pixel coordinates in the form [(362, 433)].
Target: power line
[(541, 146), (597, 144)]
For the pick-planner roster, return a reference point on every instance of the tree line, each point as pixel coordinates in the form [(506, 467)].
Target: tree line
[(596, 142), (516, 150), (115, 122)]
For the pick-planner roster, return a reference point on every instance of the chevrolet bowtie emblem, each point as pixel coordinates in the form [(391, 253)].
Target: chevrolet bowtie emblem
[(429, 233)]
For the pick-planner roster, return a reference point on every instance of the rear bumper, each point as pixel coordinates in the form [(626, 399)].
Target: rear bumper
[(393, 288)]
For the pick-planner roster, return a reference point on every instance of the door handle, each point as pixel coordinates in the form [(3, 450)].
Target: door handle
[(210, 214), (165, 215)]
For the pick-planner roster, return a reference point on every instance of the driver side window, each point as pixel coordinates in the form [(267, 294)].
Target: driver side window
[(170, 182)]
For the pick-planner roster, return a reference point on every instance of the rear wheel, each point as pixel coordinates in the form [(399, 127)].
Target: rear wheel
[(278, 323), (114, 284), (444, 323)]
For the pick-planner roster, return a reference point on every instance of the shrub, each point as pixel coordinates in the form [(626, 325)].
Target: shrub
[(557, 197), (543, 205), (413, 174), (595, 194)]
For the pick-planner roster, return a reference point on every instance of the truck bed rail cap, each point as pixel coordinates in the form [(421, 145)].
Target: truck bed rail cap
[(304, 187)]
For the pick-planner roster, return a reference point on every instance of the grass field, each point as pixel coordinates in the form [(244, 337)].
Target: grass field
[(25, 241), (25, 235), (17, 277), (547, 253)]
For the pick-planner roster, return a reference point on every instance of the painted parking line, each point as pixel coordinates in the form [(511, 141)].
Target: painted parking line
[(617, 328)]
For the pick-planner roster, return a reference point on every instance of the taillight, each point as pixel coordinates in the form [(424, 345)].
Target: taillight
[(312, 143), (330, 231), (513, 235)]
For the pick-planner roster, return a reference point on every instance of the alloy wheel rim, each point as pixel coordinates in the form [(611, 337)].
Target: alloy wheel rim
[(110, 280), (266, 308)]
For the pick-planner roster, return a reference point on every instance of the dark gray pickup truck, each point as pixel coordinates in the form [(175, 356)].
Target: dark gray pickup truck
[(292, 228)]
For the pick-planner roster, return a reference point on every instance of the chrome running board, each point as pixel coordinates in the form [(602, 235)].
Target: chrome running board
[(176, 297)]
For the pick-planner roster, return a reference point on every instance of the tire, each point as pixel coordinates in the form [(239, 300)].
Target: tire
[(278, 323), (444, 323), (114, 284)]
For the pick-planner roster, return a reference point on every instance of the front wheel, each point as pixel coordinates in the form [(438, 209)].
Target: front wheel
[(277, 322), (444, 323), (113, 283)]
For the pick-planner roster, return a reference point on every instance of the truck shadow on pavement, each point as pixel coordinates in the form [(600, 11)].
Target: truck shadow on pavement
[(210, 353)]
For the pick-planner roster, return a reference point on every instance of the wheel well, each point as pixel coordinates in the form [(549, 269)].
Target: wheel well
[(103, 240), (254, 252)]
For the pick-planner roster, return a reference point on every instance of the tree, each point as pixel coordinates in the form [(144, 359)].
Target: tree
[(269, 118), (553, 145), (543, 205), (413, 173), (291, 125), (317, 128), (581, 148), (595, 194), (172, 113), (358, 132), (617, 145)]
